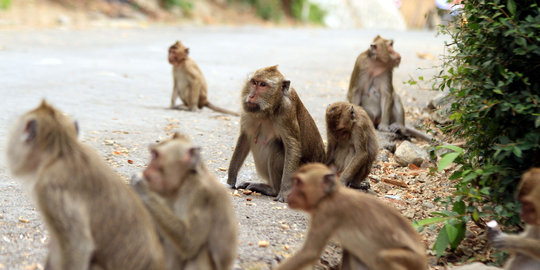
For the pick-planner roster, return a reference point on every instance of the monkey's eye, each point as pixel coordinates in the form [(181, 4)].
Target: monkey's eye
[(254, 82), (154, 154), (263, 84)]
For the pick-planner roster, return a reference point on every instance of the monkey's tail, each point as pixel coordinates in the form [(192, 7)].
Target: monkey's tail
[(419, 134), (221, 110)]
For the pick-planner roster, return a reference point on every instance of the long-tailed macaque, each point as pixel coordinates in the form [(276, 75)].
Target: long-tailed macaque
[(524, 247), (352, 144), (371, 88), (372, 234), (192, 209), (278, 130), (189, 83), (95, 221)]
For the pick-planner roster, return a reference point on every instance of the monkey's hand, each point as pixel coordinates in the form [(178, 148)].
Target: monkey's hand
[(139, 184), (497, 237)]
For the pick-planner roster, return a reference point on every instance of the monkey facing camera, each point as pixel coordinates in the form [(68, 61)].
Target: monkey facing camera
[(372, 234), (192, 209), (278, 131), (371, 88)]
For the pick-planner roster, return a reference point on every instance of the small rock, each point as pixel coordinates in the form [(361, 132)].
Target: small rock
[(63, 20), (428, 204), (263, 243), (408, 152)]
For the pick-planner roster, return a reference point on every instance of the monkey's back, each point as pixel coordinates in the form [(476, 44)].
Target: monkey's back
[(311, 140), (120, 227), (380, 225)]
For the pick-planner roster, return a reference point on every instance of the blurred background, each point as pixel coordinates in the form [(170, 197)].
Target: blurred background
[(381, 14)]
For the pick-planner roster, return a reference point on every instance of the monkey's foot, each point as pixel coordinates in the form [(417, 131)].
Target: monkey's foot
[(258, 187)]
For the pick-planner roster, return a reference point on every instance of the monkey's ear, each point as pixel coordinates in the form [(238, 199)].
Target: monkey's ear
[(194, 156), (372, 50), (391, 43), (186, 51), (329, 183), (176, 135), (30, 131), (529, 212), (285, 86)]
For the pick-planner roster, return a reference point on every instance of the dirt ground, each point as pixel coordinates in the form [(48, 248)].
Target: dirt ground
[(123, 119)]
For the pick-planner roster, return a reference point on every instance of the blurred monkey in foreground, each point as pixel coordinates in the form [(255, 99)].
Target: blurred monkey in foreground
[(372, 234), (524, 247), (95, 220), (192, 209)]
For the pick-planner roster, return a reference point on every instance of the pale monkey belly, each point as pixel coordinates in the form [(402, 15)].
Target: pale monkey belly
[(344, 154), (263, 143), (181, 86)]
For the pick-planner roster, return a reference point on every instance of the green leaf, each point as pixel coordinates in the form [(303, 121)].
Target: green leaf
[(441, 243), (475, 215), (451, 147), (459, 207), (517, 151), (428, 221), (451, 232), (446, 160), (511, 7), (537, 122)]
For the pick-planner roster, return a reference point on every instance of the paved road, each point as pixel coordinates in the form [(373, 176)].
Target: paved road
[(117, 84)]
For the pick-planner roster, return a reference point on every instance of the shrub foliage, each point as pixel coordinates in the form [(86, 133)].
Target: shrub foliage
[(492, 76)]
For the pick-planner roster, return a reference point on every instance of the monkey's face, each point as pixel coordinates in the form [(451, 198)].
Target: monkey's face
[(36, 133), (177, 53), (171, 161), (383, 51), (264, 90), (311, 183), (257, 94)]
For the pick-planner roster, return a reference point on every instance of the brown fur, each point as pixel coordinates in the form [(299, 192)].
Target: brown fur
[(189, 82), (193, 210), (371, 88), (278, 130), (372, 234), (94, 219), (524, 247), (352, 144)]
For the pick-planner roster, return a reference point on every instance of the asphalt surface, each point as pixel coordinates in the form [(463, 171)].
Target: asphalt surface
[(117, 83)]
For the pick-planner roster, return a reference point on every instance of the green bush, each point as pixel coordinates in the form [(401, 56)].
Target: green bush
[(492, 74), (305, 11), (5, 4), (184, 5)]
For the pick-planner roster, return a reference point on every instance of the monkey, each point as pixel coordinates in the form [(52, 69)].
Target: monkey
[(189, 83), (524, 247), (95, 220), (372, 234), (278, 130), (192, 209), (371, 88), (352, 144)]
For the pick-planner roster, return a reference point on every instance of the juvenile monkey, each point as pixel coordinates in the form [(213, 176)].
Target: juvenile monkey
[(371, 88), (524, 247), (352, 144), (189, 83), (372, 234), (278, 130), (192, 209), (95, 221)]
